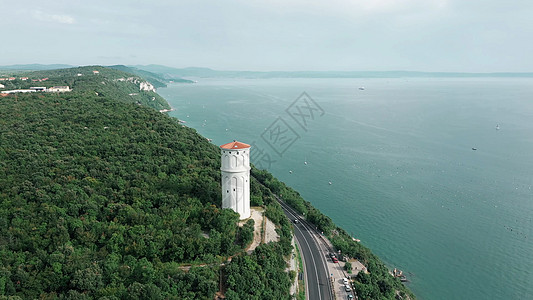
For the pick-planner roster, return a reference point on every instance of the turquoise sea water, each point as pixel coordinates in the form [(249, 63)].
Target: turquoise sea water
[(404, 176)]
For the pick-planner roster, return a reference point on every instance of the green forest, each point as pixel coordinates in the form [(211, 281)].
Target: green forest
[(103, 197)]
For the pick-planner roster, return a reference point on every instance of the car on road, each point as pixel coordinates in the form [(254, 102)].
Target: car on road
[(347, 288), (350, 296), (334, 259), (296, 221), (345, 281)]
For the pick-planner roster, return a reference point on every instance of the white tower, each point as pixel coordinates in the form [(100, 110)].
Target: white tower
[(235, 171)]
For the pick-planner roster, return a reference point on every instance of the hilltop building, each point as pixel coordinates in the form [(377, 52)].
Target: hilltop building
[(235, 170)]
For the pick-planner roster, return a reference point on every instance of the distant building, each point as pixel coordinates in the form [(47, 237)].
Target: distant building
[(59, 89), (11, 78), (79, 74), (96, 72), (24, 78), (2, 86), (2, 79)]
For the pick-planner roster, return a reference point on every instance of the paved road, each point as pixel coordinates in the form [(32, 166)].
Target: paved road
[(316, 272)]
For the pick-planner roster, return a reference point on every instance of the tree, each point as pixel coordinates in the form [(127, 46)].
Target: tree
[(348, 267)]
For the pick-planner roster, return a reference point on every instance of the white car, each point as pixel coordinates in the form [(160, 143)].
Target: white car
[(347, 288), (345, 281)]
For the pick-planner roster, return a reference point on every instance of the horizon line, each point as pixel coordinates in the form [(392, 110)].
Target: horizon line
[(13, 67)]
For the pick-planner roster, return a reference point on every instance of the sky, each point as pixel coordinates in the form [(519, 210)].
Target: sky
[(273, 35)]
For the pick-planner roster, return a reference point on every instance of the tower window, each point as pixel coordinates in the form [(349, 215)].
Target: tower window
[(227, 191), (237, 152), (234, 190)]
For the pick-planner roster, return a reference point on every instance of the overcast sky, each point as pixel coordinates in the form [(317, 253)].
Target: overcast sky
[(359, 35)]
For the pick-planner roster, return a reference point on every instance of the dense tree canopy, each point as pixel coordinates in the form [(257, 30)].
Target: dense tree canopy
[(101, 198)]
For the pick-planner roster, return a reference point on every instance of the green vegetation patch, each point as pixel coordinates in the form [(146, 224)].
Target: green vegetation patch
[(102, 198), (95, 80)]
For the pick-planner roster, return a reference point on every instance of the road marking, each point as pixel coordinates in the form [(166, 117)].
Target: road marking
[(306, 282), (319, 247), (314, 262), (288, 209)]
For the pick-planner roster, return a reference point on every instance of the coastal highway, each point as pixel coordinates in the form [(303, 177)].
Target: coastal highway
[(317, 283)]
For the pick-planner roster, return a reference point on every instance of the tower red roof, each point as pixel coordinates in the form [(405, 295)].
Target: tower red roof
[(235, 145)]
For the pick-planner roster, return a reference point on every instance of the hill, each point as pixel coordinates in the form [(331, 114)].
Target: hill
[(157, 80), (194, 72), (101, 81), (28, 67)]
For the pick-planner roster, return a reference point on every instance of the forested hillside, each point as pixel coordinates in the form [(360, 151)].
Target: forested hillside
[(157, 80), (103, 199), (105, 82)]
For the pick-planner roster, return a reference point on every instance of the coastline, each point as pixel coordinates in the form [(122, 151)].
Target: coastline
[(349, 239)]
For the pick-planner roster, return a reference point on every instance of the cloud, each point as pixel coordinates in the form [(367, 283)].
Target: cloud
[(350, 7), (47, 17)]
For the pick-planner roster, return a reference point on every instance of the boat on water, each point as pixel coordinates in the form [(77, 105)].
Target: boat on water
[(474, 148), (362, 88), (497, 126)]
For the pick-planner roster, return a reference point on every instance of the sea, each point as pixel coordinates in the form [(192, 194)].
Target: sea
[(434, 175)]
